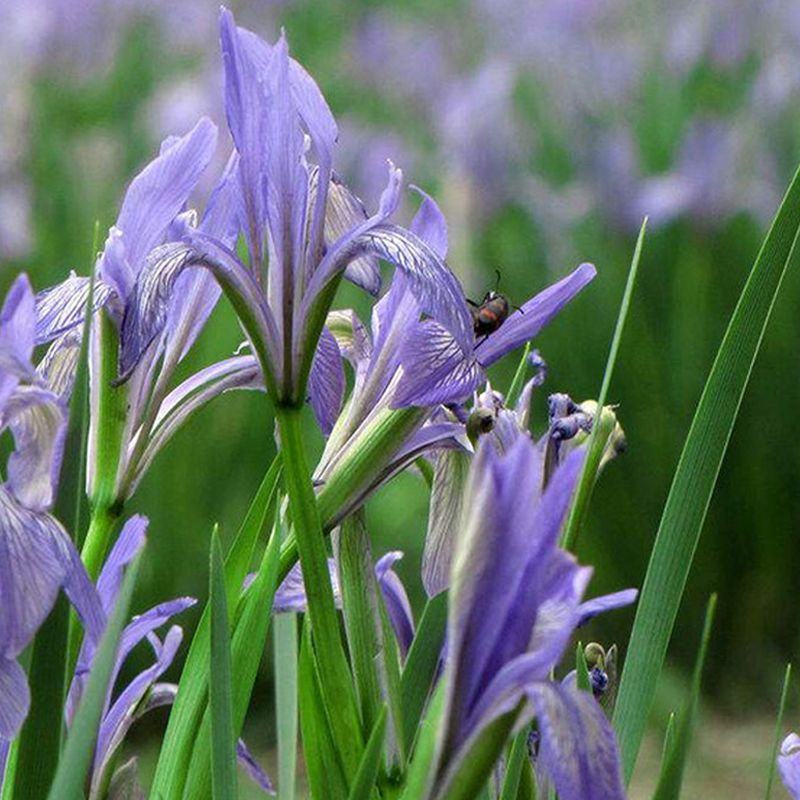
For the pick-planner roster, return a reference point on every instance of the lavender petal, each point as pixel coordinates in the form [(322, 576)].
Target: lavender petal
[(326, 382)]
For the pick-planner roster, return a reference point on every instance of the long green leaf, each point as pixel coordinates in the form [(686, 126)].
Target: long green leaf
[(677, 746), (417, 678), (247, 647), (420, 774), (597, 441), (223, 747), (323, 767), (776, 742), (285, 661), (364, 782), (514, 764), (187, 713), (695, 477), (76, 759)]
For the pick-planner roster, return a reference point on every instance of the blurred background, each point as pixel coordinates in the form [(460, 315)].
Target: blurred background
[(546, 129)]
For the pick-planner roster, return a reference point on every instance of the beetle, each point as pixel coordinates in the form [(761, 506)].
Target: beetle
[(491, 312)]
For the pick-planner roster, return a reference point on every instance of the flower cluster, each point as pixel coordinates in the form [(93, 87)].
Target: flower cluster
[(278, 234)]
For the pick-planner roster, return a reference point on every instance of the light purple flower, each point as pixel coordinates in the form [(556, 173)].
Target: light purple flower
[(37, 557), (284, 135), (515, 601), (789, 764)]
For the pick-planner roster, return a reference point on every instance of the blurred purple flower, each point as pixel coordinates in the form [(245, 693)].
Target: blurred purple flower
[(789, 764)]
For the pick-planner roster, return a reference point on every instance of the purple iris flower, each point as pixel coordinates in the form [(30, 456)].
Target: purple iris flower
[(304, 231), (37, 557), (515, 601), (789, 764), (153, 211)]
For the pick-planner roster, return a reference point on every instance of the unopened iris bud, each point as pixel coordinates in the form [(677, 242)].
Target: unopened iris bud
[(594, 654), (599, 681), (616, 442), (479, 423)]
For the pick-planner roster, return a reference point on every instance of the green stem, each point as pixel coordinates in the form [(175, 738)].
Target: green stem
[(335, 679)]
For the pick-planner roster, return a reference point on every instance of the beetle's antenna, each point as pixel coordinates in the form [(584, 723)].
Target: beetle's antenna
[(497, 282)]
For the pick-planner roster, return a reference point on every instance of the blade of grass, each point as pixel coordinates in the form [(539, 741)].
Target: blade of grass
[(323, 767), (519, 378), (695, 477), (285, 667), (514, 764), (41, 737), (776, 742), (223, 747), (677, 750), (417, 678), (420, 776), (364, 783), (597, 441), (581, 669), (76, 759), (247, 647), (187, 713)]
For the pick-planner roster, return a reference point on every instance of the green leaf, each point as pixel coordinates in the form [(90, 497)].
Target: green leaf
[(187, 713), (514, 763), (519, 378), (335, 680), (420, 668), (600, 433), (695, 477), (372, 648), (776, 743), (223, 747), (676, 747), (247, 647), (77, 756), (323, 767), (581, 669), (364, 783), (420, 774), (285, 661)]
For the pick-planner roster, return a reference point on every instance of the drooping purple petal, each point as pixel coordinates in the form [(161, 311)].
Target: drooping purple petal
[(524, 324), (62, 308), (17, 322), (146, 314), (577, 746), (607, 602), (32, 569), (789, 764), (326, 382), (450, 475), (158, 194), (129, 543), (436, 369), (254, 770), (37, 419), (15, 700), (59, 365), (396, 600)]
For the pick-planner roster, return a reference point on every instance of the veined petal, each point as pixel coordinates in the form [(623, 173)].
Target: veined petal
[(129, 543), (146, 315), (326, 382), (524, 324), (15, 699), (436, 369), (62, 307), (17, 322), (37, 419), (239, 372), (352, 337), (450, 477), (160, 191), (578, 748), (430, 224), (789, 764), (59, 365), (607, 602), (32, 569)]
